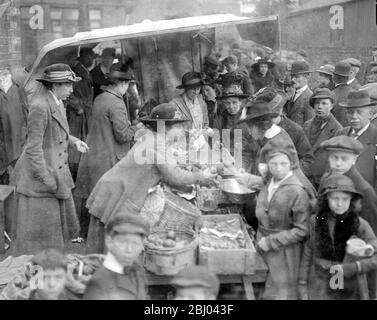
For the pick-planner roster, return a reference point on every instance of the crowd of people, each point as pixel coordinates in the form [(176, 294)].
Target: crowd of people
[(83, 162)]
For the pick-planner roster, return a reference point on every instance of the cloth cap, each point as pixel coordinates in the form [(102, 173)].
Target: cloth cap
[(343, 143), (197, 276), (353, 62), (342, 68), (191, 80), (358, 99), (321, 93), (326, 69), (59, 73), (128, 224), (338, 182)]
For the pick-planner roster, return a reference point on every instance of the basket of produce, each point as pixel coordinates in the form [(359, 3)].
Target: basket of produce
[(225, 246), (178, 213), (236, 192), (167, 252)]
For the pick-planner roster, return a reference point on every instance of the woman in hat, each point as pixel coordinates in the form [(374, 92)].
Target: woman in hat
[(282, 211), (190, 102), (110, 136), (101, 71), (149, 162), (46, 212), (231, 103), (325, 250), (261, 75), (233, 71), (325, 74)]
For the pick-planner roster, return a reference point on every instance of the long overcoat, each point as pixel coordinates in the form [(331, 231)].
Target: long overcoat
[(341, 92), (300, 110), (284, 223)]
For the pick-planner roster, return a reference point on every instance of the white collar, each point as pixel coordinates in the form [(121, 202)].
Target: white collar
[(272, 132), (278, 183), (361, 131), (112, 264), (58, 102), (350, 81)]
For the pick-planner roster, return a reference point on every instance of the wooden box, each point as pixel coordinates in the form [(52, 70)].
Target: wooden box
[(229, 261)]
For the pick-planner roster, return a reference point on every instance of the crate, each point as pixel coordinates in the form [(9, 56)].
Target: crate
[(229, 261)]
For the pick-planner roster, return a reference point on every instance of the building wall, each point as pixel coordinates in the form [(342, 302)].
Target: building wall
[(311, 31), (10, 41)]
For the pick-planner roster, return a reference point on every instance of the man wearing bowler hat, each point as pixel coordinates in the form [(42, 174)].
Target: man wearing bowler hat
[(341, 76), (121, 277), (355, 68), (298, 109), (325, 74), (321, 127), (372, 90), (190, 102), (359, 113)]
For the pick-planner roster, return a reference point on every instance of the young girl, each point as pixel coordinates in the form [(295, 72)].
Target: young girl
[(282, 211), (335, 223)]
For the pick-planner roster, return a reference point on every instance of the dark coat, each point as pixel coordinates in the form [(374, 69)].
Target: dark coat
[(341, 92), (109, 285), (366, 162), (316, 270), (109, 139), (99, 79), (300, 111), (180, 103), (284, 223), (42, 169), (320, 156), (79, 108), (304, 150), (13, 114)]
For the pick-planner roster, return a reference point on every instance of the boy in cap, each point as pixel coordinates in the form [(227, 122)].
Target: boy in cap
[(196, 283), (359, 113), (321, 127), (298, 109), (355, 68), (342, 153), (325, 74), (342, 88), (121, 277)]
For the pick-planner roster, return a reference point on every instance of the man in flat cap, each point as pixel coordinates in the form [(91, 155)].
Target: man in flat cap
[(359, 113), (122, 276), (321, 127), (196, 283), (372, 76), (371, 63), (298, 109), (340, 77), (355, 68)]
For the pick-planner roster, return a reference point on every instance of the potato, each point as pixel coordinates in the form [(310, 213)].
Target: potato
[(171, 235)]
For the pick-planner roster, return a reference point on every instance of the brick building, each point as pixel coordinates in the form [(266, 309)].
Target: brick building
[(330, 30), (10, 41)]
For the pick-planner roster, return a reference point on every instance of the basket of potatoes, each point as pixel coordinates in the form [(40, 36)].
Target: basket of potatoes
[(169, 251)]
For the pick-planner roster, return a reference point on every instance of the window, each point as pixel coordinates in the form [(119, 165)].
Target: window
[(95, 17), (64, 21)]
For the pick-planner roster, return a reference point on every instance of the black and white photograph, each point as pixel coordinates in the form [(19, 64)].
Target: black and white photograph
[(195, 150)]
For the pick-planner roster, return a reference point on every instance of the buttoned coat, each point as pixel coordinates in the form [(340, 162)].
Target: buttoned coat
[(300, 110), (341, 92), (109, 285), (366, 162), (181, 104), (320, 155), (283, 221), (109, 138)]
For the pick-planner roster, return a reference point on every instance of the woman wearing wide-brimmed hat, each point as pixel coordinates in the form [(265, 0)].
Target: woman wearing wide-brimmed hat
[(110, 136), (124, 188), (46, 212), (190, 102), (327, 246), (261, 75)]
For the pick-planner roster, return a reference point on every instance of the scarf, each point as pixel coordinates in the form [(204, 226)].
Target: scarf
[(316, 128), (346, 225)]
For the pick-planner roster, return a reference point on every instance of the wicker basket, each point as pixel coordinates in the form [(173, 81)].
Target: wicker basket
[(178, 214), (169, 261)]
